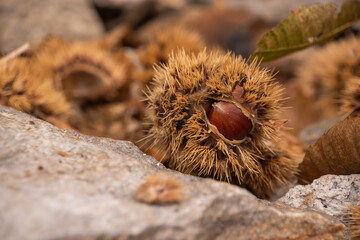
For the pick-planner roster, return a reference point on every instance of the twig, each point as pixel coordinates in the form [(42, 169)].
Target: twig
[(20, 50)]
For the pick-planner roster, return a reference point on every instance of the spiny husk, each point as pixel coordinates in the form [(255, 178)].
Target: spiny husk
[(139, 64), (350, 98), (57, 79), (327, 76), (93, 86), (180, 128), (24, 89), (9, 72), (157, 49), (91, 80), (278, 166), (352, 219), (59, 59)]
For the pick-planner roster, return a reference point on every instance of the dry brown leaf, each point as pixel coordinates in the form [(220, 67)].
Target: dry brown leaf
[(336, 152)]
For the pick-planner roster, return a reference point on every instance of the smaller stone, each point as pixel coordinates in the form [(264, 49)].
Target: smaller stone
[(329, 194)]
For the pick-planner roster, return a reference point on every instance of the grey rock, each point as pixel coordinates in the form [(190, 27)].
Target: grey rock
[(329, 194), (60, 184), (30, 20)]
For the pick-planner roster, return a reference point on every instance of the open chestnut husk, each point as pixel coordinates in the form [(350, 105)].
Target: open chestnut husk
[(214, 115)]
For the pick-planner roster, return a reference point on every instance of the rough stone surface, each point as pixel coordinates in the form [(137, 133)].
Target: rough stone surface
[(59, 184), (329, 194), (30, 20)]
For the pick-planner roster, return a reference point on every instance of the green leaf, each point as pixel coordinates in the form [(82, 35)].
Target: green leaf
[(305, 27)]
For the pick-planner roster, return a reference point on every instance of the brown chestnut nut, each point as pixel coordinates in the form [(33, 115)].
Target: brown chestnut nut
[(229, 120)]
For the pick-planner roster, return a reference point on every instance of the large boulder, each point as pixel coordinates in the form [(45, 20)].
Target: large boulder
[(60, 184)]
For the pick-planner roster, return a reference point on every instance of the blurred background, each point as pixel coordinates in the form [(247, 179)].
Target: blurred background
[(235, 25)]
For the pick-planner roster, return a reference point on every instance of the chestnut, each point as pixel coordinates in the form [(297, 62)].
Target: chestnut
[(229, 120)]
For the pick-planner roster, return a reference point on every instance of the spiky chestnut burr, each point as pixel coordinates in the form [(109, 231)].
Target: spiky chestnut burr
[(352, 219), (22, 88), (216, 116), (331, 86), (139, 64), (57, 78), (350, 98), (159, 45), (278, 167), (81, 74)]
